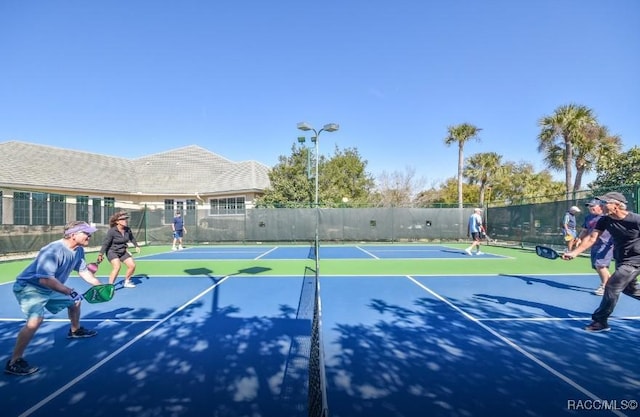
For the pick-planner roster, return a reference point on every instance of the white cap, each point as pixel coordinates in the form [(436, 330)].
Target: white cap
[(574, 209)]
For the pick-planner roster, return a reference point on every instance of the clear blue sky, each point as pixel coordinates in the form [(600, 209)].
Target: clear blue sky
[(133, 78)]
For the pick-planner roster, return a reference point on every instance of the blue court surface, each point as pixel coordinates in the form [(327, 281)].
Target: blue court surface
[(272, 252), (486, 345)]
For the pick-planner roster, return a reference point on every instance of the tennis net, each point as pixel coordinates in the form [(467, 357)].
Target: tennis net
[(318, 406)]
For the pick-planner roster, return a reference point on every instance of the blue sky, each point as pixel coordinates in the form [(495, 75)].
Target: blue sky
[(133, 78)]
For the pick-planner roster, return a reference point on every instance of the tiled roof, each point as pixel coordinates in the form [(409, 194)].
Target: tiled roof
[(180, 171)]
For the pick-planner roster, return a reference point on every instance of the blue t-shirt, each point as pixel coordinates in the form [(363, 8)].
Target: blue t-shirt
[(178, 223), (54, 260), (569, 220), (475, 223)]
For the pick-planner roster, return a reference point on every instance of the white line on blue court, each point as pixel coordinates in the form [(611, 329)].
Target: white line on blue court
[(587, 318), (515, 346), (9, 319), (266, 253), (367, 252), (115, 353)]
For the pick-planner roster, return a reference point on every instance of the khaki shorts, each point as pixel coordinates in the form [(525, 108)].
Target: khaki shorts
[(34, 300)]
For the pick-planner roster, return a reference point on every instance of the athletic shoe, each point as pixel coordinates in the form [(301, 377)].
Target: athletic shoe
[(81, 333), (180, 247), (479, 253), (174, 248), (19, 367), (129, 284), (599, 290), (596, 326), (468, 252)]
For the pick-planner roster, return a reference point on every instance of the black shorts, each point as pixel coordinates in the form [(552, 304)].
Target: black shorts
[(123, 257)]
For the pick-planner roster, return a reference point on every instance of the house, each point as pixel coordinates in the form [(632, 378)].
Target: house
[(44, 185)]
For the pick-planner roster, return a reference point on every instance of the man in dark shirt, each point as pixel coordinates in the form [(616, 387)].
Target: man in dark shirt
[(624, 227)]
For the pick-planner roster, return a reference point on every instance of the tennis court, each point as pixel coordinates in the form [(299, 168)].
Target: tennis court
[(407, 330)]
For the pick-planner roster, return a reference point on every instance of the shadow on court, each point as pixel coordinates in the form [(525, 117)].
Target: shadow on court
[(429, 360), (202, 360), (529, 280)]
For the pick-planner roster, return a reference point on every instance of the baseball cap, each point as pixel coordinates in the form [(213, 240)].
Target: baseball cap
[(574, 209), (82, 227), (613, 195), (593, 203)]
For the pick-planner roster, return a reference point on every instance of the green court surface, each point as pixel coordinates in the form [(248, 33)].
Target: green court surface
[(512, 261)]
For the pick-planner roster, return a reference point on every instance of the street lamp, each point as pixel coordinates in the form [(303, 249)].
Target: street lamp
[(329, 127)]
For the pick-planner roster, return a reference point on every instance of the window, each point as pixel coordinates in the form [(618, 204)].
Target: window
[(39, 209), (82, 208), (57, 209), (21, 208), (231, 205), (109, 208), (168, 210), (96, 213)]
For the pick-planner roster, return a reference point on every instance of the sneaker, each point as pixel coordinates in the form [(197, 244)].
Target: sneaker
[(174, 248), (479, 253), (81, 333), (596, 326), (180, 247), (468, 252), (19, 367), (599, 290), (129, 284)]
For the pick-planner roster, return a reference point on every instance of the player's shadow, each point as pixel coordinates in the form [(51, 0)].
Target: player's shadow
[(459, 252), (136, 279), (551, 310), (555, 284)]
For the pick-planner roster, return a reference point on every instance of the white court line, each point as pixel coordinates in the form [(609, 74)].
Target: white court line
[(517, 347), (266, 253), (556, 318), (9, 319), (367, 252), (115, 353)]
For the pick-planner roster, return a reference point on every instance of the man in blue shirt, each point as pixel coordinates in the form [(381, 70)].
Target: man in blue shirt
[(569, 224), (178, 230), (475, 230), (602, 250), (41, 287)]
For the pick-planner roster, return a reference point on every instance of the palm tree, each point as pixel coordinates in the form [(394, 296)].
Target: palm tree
[(481, 169), (461, 134), (594, 144), (559, 133)]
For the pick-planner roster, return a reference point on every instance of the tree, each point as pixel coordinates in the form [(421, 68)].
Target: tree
[(344, 178), (341, 176), (519, 181), (461, 134), (482, 169), (559, 133), (396, 189), (290, 183), (594, 144), (618, 170)]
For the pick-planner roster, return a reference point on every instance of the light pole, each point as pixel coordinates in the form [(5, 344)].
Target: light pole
[(330, 127)]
